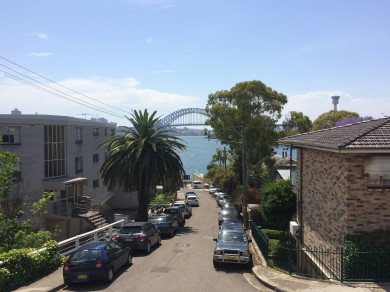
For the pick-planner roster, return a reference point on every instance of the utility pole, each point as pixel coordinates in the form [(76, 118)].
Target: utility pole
[(244, 179)]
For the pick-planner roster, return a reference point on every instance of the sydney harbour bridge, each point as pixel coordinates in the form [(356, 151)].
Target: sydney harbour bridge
[(189, 117), (184, 117)]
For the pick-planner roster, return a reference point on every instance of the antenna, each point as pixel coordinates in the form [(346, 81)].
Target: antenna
[(84, 114)]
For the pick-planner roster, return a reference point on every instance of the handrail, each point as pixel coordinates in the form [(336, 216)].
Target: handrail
[(67, 246)]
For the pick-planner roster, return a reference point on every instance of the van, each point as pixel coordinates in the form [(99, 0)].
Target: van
[(197, 184)]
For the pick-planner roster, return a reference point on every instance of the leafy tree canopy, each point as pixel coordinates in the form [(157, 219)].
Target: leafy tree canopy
[(246, 111), (277, 204), (297, 122), (330, 118), (353, 120)]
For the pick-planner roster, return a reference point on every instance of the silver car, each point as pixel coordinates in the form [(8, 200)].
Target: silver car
[(186, 206), (192, 201)]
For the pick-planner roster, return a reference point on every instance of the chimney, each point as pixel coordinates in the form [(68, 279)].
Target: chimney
[(335, 101)]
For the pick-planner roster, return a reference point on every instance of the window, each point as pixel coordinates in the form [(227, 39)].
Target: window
[(95, 132), (376, 180), (95, 183), (78, 135), (10, 135), (112, 132), (54, 143), (95, 158), (105, 155), (105, 131), (78, 164)]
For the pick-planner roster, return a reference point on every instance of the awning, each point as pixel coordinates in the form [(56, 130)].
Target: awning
[(75, 180), (284, 173)]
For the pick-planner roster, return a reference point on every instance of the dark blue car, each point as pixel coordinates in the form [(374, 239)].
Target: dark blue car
[(96, 261)]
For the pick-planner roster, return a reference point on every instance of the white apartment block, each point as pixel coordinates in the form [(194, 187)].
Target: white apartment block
[(59, 154)]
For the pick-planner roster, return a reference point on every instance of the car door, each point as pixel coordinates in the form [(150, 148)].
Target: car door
[(111, 255)]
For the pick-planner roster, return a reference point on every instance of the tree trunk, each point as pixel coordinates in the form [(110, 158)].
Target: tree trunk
[(143, 204)]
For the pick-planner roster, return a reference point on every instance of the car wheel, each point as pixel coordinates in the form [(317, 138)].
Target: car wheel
[(110, 275), (129, 260), (172, 232), (249, 265), (215, 264)]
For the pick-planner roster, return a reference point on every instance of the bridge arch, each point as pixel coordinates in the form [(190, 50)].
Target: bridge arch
[(184, 117)]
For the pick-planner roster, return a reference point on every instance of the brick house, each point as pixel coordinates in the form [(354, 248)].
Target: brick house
[(342, 182)]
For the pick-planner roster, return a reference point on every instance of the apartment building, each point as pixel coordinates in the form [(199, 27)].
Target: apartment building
[(58, 154)]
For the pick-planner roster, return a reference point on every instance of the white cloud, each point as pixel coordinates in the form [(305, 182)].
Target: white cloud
[(149, 40), (40, 35), (316, 103), (161, 71), (120, 96), (42, 54)]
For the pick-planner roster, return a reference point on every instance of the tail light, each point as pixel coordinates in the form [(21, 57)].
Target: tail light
[(66, 267), (142, 237), (98, 263), (116, 237)]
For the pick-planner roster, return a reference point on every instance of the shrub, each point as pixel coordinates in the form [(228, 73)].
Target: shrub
[(25, 265)]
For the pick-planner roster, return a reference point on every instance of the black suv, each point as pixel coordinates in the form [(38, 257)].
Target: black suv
[(176, 212)]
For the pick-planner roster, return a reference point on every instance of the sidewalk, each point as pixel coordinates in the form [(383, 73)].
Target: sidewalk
[(279, 281)]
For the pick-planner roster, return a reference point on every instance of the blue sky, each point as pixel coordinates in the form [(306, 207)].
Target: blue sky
[(165, 55)]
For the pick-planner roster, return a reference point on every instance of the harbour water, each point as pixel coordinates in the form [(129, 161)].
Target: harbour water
[(200, 152)]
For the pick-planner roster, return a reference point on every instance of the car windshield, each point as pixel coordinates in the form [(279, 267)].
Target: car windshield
[(228, 211), (84, 255), (158, 219), (191, 198), (130, 229), (171, 211), (232, 237)]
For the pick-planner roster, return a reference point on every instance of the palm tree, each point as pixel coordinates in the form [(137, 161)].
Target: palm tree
[(142, 158)]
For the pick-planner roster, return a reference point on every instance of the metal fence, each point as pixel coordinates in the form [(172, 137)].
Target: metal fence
[(325, 263)]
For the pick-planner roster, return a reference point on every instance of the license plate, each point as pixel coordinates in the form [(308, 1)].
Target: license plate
[(130, 239), (230, 258), (82, 277)]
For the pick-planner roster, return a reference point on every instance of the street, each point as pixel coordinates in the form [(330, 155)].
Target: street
[(181, 263)]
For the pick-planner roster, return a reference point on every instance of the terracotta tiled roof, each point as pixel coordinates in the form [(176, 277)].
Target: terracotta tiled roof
[(367, 135)]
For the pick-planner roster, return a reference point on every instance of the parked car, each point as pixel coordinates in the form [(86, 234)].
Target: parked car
[(231, 224), (232, 246), (96, 261), (190, 193), (212, 191), (227, 203), (221, 199), (228, 213), (166, 223), (192, 201), (186, 206), (139, 235), (197, 184), (176, 212)]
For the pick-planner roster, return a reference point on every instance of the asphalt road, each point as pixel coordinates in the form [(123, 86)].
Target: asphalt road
[(181, 263)]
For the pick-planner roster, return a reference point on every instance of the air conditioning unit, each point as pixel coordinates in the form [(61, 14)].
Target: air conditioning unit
[(294, 228)]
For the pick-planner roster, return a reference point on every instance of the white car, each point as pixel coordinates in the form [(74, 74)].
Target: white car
[(212, 191), (186, 206), (192, 201)]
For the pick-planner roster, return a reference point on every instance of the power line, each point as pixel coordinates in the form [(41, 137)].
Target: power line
[(59, 95)]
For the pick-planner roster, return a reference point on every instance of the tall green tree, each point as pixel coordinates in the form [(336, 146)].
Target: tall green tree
[(330, 118), (296, 122), (142, 158), (246, 113)]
